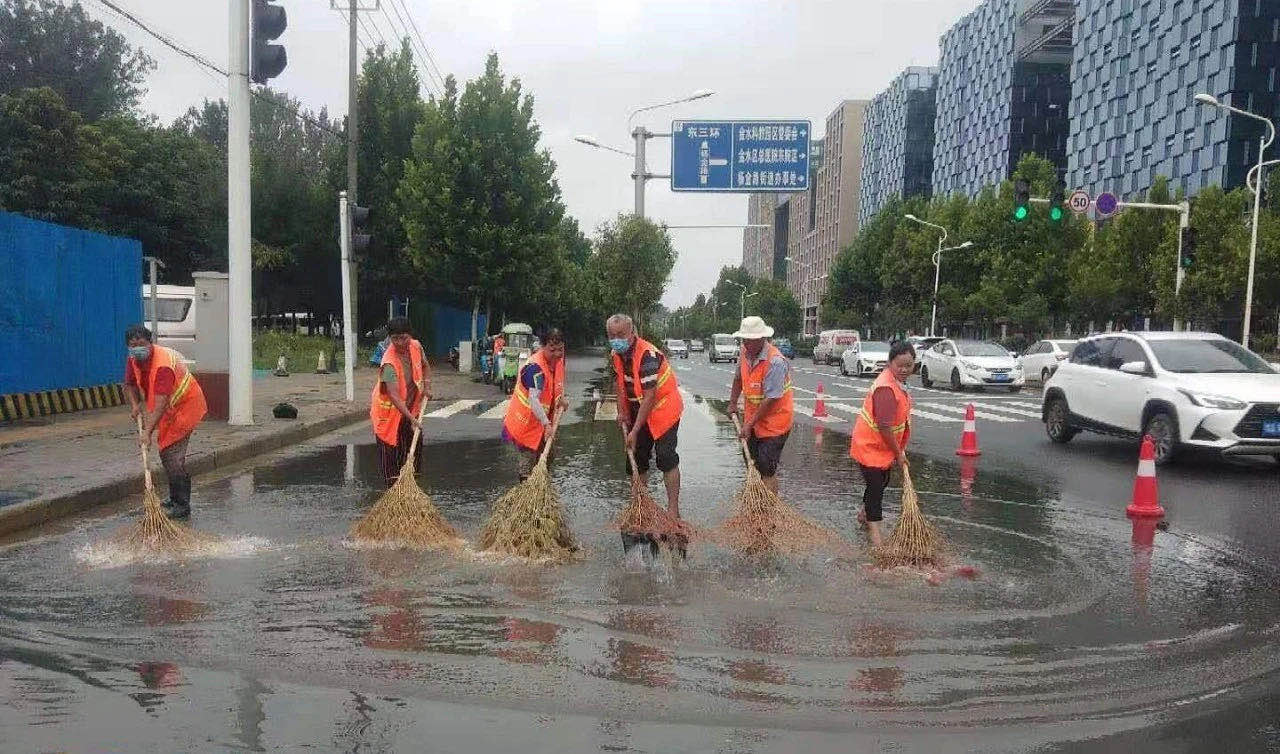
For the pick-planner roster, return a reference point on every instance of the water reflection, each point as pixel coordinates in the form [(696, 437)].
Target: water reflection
[(634, 660)]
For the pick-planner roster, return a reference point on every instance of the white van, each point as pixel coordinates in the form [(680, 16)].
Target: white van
[(724, 347), (832, 344), (176, 307)]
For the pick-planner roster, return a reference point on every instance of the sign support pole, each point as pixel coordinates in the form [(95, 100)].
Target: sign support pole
[(239, 259), (640, 135)]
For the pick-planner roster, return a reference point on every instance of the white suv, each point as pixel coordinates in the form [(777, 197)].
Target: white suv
[(1184, 389)]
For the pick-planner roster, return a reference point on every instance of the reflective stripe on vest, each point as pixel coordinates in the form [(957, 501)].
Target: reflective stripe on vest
[(866, 445), (667, 404)]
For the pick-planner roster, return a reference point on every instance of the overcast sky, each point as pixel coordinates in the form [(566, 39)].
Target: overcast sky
[(588, 63)]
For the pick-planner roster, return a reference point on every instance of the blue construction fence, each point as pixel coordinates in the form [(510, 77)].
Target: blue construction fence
[(440, 326), (66, 297)]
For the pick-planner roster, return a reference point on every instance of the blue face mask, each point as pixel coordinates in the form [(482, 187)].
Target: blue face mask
[(619, 345), (140, 353)]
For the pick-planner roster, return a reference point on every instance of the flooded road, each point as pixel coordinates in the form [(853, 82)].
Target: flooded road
[(1076, 628)]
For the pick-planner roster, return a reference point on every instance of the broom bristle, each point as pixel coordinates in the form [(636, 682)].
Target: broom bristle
[(529, 521), (158, 533), (643, 516), (915, 541), (405, 515), (763, 523)]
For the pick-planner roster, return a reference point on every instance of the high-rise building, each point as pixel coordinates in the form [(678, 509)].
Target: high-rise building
[(1137, 67), (1003, 91), (897, 145), (761, 255)]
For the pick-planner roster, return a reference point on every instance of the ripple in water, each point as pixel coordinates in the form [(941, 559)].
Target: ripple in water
[(109, 554)]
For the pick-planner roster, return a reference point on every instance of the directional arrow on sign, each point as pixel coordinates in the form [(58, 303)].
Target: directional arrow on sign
[(718, 161)]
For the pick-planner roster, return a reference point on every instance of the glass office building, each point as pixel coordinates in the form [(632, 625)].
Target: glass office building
[(1137, 67), (897, 144), (1003, 91)]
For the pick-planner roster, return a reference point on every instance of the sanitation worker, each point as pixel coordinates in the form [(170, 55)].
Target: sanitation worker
[(880, 433), (649, 403), (404, 382), (539, 389), (171, 404), (764, 382)]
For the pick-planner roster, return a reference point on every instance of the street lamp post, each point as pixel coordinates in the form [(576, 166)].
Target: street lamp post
[(937, 266), (639, 172), (804, 293), (1268, 136)]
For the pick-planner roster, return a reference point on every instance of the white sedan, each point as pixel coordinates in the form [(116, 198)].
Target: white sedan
[(1041, 360), (971, 363), (865, 357)]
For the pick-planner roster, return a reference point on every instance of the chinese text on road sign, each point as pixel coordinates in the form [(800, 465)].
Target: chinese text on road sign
[(745, 155)]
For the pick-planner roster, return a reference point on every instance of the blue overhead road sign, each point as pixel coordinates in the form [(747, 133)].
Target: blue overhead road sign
[(740, 155)]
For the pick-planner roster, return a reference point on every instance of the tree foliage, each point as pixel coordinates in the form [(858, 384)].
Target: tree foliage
[(633, 259)]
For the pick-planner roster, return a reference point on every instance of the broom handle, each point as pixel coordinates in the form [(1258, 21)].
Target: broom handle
[(631, 456), (551, 435), (417, 432), (146, 467), (746, 454)]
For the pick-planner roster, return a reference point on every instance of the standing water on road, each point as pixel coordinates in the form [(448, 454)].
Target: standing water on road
[(1073, 621)]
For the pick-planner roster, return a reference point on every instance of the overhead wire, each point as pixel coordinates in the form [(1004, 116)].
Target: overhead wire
[(422, 42), (419, 49)]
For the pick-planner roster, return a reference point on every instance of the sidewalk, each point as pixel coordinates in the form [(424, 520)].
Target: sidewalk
[(57, 465)]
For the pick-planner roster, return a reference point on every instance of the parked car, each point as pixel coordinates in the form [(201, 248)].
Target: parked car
[(176, 310), (971, 363), (1185, 389), (1042, 358), (784, 346), (921, 343), (865, 357), (697, 346), (724, 347), (831, 344), (677, 348)]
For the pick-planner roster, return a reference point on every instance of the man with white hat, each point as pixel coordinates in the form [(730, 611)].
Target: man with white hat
[(764, 382)]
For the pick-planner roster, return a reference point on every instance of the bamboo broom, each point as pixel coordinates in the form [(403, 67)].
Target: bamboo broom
[(529, 521), (404, 515), (914, 542), (157, 532), (762, 522), (644, 521)]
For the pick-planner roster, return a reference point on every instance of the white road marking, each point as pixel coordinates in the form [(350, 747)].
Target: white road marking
[(497, 412), (1025, 404), (934, 417), (699, 407), (1007, 410), (809, 413), (451, 409), (607, 411), (843, 407), (961, 410)]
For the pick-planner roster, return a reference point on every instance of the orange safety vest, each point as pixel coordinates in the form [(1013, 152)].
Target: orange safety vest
[(186, 403), (667, 405), (866, 446), (782, 412), (520, 423), (382, 412)]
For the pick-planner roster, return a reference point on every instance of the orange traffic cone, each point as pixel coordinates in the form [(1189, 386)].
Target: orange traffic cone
[(1144, 486), (968, 472), (969, 440), (817, 435), (819, 407)]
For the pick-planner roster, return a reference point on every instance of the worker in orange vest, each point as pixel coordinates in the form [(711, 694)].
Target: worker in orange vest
[(881, 432), (171, 404), (404, 382), (499, 343), (649, 403), (763, 380), (539, 390)]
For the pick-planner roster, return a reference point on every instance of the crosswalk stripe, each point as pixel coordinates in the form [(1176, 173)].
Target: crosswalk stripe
[(961, 410), (497, 412), (451, 409), (1007, 410), (1024, 404), (843, 407), (809, 413), (933, 416), (700, 407)]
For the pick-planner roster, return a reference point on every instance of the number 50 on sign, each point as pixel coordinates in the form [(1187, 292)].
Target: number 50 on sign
[(1079, 202)]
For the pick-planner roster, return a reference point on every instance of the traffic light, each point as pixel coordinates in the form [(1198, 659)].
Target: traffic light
[(1056, 198), (1188, 247), (1021, 199), (266, 60), (359, 223)]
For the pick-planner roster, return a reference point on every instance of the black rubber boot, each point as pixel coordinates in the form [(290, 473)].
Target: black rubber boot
[(179, 498)]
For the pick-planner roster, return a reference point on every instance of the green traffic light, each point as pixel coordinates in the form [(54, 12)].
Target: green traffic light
[(1020, 212), (1055, 213)]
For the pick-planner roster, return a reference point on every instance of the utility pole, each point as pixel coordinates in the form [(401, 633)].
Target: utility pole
[(155, 309), (239, 260), (348, 311), (352, 298)]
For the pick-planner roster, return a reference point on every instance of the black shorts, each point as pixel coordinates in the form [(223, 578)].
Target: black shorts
[(664, 449), (766, 452)]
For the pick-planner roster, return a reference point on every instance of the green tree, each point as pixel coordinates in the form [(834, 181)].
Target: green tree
[(633, 260), (478, 200), (776, 304), (91, 67)]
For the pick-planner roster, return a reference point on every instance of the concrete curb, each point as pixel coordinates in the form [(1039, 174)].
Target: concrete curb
[(48, 508)]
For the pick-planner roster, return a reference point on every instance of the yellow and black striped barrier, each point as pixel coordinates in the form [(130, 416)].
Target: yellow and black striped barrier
[(14, 406)]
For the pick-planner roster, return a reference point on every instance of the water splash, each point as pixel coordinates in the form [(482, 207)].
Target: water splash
[(109, 554)]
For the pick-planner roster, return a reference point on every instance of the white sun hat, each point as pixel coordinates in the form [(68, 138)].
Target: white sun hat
[(753, 328)]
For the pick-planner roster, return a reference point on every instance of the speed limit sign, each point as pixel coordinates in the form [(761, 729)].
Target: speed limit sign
[(1079, 202)]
